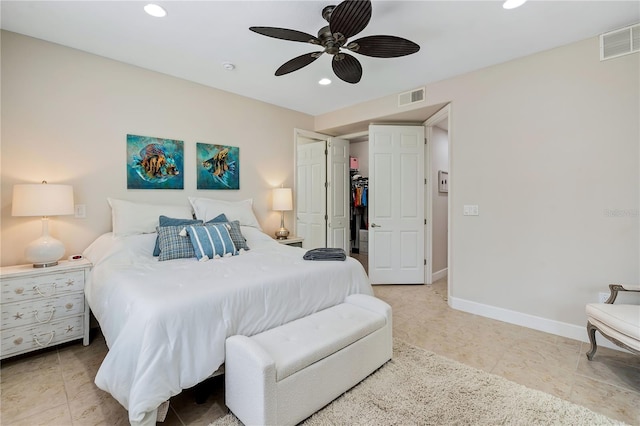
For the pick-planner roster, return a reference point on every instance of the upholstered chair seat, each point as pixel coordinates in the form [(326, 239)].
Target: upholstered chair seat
[(620, 323)]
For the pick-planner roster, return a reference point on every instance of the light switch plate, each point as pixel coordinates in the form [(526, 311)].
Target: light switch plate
[(80, 211), (471, 210)]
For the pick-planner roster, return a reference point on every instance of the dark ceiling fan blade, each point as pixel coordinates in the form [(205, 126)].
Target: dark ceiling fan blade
[(285, 34), (297, 63), (350, 17), (347, 68), (383, 46)]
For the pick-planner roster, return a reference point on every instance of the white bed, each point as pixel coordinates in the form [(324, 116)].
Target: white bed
[(165, 323)]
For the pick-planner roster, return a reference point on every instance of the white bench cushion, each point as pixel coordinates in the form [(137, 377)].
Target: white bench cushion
[(625, 319), (298, 344)]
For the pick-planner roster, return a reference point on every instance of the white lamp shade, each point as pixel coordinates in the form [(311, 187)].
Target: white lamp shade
[(282, 199), (41, 199)]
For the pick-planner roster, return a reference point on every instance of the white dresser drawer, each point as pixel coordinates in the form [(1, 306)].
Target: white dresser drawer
[(41, 311), (41, 286), (25, 339)]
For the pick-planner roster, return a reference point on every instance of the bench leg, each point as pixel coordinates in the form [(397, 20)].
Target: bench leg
[(591, 331)]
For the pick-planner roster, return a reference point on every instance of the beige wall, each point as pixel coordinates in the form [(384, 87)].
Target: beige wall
[(548, 147), (65, 117)]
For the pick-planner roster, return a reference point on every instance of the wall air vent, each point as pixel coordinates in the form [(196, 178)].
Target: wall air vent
[(620, 42), (411, 97)]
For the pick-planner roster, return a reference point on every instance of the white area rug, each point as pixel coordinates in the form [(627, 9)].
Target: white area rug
[(418, 387)]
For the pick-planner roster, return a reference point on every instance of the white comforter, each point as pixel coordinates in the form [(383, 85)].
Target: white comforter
[(165, 323)]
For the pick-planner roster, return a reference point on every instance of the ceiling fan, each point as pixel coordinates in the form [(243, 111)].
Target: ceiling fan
[(345, 20)]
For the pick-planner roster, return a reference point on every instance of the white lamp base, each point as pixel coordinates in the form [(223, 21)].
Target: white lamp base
[(46, 250)]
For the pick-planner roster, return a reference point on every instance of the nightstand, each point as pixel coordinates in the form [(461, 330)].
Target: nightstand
[(43, 307), (292, 241)]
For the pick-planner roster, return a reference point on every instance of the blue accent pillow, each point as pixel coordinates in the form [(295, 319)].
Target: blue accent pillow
[(234, 231), (211, 241), (174, 243), (219, 219), (170, 221)]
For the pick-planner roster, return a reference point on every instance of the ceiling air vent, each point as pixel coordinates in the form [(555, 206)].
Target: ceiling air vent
[(411, 97), (620, 42)]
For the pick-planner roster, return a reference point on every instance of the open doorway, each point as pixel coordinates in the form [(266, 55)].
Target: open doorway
[(437, 201), (358, 196)]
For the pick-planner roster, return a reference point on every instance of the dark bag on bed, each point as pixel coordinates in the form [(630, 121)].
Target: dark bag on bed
[(325, 253)]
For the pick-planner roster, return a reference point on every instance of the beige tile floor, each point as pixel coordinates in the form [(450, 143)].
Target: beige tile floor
[(56, 387)]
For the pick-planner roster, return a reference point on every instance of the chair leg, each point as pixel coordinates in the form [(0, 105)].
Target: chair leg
[(591, 331)]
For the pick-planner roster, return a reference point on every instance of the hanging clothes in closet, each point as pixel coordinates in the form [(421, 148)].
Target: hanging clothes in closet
[(359, 199), (359, 194)]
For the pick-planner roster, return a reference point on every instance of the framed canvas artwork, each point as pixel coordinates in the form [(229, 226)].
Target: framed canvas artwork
[(218, 166), (154, 163)]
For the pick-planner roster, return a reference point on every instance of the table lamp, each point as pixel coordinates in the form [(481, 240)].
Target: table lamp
[(42, 199), (282, 201)]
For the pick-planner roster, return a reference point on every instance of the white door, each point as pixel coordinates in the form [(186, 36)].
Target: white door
[(311, 200), (396, 204), (338, 193)]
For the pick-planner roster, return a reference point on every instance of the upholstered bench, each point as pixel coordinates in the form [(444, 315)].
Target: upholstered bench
[(283, 375)]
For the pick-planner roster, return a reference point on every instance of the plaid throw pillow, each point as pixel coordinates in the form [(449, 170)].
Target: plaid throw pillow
[(169, 221), (172, 244), (236, 235)]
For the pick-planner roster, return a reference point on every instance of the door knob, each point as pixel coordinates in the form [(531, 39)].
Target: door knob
[(373, 225)]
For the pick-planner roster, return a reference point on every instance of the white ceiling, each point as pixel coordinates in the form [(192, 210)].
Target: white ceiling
[(196, 37)]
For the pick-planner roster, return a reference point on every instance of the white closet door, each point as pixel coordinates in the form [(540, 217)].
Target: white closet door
[(396, 204), (338, 194), (311, 200)]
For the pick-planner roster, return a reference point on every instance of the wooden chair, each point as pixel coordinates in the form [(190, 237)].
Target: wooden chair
[(618, 323)]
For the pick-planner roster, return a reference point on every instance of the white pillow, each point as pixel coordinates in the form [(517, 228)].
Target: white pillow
[(242, 211), (129, 218)]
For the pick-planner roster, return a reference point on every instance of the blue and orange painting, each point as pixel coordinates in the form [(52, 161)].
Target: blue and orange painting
[(154, 163), (218, 166)]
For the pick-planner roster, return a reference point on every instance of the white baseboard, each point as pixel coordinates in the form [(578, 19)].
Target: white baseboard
[(558, 328), (439, 274)]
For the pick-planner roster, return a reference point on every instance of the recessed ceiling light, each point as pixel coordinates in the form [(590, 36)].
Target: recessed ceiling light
[(324, 81), (512, 4), (155, 10)]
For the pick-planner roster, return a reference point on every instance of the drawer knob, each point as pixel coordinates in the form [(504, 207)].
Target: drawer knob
[(19, 290), (17, 341), (70, 282), (69, 306), (35, 339)]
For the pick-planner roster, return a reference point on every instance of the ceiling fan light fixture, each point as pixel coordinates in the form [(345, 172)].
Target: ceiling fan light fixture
[(324, 81), (512, 4), (155, 10)]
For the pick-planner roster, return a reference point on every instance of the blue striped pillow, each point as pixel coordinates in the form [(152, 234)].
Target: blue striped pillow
[(211, 241)]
